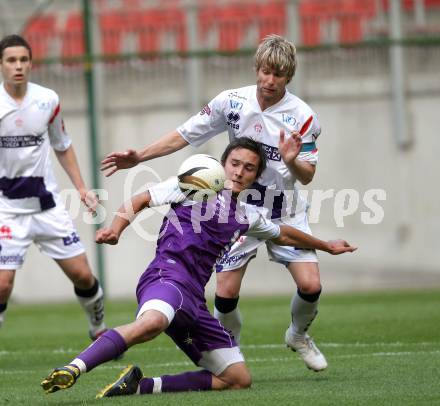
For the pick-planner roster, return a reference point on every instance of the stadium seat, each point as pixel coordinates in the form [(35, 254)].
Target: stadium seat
[(230, 21), (272, 17), (112, 26), (151, 25), (352, 16), (39, 32), (408, 5), (72, 36), (176, 25), (312, 14)]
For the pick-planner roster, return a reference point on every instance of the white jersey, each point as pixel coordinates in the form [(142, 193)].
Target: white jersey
[(238, 112), (27, 131)]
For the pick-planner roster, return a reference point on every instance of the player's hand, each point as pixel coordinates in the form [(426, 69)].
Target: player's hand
[(90, 200), (119, 160), (289, 147), (337, 247), (106, 236)]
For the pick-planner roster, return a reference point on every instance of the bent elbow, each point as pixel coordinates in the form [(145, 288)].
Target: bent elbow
[(282, 240), (306, 181)]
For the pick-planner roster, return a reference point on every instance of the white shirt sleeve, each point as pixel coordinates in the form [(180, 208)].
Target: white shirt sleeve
[(259, 226), (206, 124), (166, 192), (310, 131), (59, 139)]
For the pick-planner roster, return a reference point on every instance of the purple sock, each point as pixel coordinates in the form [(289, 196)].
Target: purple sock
[(188, 381), (107, 347)]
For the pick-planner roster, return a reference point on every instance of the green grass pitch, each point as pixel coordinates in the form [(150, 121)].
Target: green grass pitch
[(382, 348)]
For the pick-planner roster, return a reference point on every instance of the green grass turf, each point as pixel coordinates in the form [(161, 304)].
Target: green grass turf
[(382, 348)]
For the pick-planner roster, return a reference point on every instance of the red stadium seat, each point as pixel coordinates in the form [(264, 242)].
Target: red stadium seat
[(312, 14), (408, 5), (73, 36), (272, 18), (231, 22), (112, 25), (176, 24), (151, 25), (352, 16), (39, 32)]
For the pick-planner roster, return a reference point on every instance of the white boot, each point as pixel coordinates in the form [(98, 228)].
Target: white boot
[(307, 350)]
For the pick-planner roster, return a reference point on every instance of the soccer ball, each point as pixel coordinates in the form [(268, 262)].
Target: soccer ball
[(201, 174)]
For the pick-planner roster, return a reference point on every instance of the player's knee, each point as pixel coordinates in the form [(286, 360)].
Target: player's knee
[(83, 278), (227, 288), (244, 381), (6, 285), (5, 289), (310, 287), (236, 376), (150, 325)]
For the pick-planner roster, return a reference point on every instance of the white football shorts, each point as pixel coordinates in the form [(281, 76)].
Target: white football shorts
[(245, 248), (51, 230), (216, 361)]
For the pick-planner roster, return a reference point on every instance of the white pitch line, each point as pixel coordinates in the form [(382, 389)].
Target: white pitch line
[(244, 347), (119, 366)]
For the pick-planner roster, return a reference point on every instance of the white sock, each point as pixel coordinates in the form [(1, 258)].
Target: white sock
[(157, 386), (2, 318), (94, 308), (80, 365), (231, 321), (303, 314)]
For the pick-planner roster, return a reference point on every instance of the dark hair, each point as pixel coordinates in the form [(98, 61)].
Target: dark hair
[(14, 40), (249, 144)]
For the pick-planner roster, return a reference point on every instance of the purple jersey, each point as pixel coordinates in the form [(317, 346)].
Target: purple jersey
[(195, 235)]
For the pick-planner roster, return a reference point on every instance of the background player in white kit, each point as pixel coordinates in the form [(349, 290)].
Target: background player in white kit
[(30, 207), (264, 112)]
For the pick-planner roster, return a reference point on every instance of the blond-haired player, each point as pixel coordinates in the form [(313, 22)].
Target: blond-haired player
[(287, 128)]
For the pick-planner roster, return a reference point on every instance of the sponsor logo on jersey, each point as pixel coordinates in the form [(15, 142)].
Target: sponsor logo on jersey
[(236, 105), (19, 122), (236, 96), (5, 233), (258, 128), (289, 119), (21, 141), (43, 105), (206, 110), (73, 238), (272, 153), (188, 340), (233, 259), (233, 117), (11, 259)]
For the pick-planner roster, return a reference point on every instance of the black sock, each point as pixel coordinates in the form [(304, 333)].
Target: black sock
[(225, 304), (88, 292)]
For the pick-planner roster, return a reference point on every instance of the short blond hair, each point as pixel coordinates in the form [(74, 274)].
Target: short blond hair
[(275, 52)]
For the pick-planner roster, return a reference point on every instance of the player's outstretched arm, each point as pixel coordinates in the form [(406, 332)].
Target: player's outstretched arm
[(123, 217), (165, 145), (296, 238), (68, 161)]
